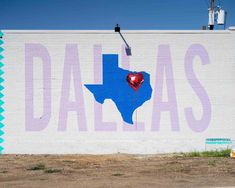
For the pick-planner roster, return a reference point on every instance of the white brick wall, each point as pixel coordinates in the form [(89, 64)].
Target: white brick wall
[(216, 77)]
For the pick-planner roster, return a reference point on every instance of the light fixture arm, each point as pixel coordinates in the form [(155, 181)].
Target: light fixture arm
[(124, 39)]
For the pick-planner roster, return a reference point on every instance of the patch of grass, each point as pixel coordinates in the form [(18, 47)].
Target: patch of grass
[(117, 174), (4, 171), (214, 153), (192, 154), (39, 166), (68, 161), (51, 170), (212, 163)]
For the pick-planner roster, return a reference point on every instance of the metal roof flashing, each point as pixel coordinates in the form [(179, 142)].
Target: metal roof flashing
[(123, 31), (232, 28)]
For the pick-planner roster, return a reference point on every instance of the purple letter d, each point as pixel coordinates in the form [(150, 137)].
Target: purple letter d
[(32, 123)]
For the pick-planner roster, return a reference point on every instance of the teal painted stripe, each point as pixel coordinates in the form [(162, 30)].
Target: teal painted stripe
[(1, 149), (1, 87), (1, 72), (1, 94), (1, 117), (1, 102), (1, 110), (218, 139), (219, 143), (1, 132), (1, 80)]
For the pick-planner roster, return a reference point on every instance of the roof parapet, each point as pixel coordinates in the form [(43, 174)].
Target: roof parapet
[(232, 28)]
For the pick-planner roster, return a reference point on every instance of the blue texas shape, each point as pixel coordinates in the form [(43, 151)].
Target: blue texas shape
[(116, 88)]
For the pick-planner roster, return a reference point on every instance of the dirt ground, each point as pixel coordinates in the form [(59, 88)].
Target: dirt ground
[(116, 171)]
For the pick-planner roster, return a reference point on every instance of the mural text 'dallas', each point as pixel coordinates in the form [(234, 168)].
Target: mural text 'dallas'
[(164, 72)]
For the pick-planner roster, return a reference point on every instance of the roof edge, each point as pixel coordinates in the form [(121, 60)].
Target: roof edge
[(112, 32), (232, 28)]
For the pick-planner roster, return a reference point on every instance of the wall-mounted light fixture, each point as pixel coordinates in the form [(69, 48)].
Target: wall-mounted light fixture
[(128, 48)]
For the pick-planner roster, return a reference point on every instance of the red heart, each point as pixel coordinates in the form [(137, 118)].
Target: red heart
[(135, 80)]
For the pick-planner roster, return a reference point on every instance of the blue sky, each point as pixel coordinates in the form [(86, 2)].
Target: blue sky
[(104, 14)]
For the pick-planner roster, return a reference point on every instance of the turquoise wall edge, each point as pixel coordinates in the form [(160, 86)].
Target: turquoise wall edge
[(1, 94)]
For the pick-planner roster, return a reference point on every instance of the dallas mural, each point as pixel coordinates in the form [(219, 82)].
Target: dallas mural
[(79, 92), (127, 89)]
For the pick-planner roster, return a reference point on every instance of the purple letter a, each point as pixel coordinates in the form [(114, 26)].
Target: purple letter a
[(72, 67), (164, 65)]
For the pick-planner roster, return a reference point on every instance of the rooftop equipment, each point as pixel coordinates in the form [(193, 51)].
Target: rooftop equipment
[(216, 15)]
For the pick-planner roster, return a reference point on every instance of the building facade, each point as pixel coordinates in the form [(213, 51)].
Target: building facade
[(67, 91)]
